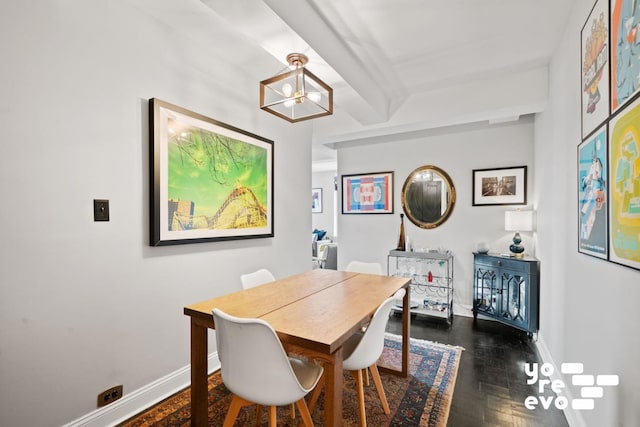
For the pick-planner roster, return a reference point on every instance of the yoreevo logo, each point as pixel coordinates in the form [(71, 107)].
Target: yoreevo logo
[(591, 387)]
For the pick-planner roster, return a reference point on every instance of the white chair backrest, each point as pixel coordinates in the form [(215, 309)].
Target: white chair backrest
[(364, 267), (254, 365), (322, 250), (256, 278), (371, 345)]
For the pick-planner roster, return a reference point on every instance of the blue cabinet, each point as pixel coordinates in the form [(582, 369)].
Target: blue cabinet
[(507, 290)]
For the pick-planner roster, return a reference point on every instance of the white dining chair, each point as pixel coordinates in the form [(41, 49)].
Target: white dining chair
[(362, 352), (257, 370), (256, 278), (251, 280), (364, 267), (319, 261)]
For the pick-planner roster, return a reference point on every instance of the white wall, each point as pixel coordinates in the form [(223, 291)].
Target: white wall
[(457, 151), (325, 220), (87, 305), (589, 307)]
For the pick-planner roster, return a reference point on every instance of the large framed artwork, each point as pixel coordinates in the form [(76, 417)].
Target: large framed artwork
[(209, 181), (500, 186), (625, 51), (624, 192), (370, 193), (592, 195), (595, 68)]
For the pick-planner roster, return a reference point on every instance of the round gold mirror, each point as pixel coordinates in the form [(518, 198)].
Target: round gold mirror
[(428, 196)]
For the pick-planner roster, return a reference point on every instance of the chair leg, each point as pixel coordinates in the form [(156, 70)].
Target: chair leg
[(273, 419), (378, 382), (315, 394), (360, 389), (258, 415), (236, 404), (293, 411), (365, 372), (304, 412)]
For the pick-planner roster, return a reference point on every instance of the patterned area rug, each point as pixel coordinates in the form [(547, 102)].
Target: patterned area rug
[(422, 399)]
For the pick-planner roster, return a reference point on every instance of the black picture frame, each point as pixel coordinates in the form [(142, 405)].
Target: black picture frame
[(500, 186), (209, 181)]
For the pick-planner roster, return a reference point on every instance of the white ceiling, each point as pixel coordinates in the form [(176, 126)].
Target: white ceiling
[(389, 59)]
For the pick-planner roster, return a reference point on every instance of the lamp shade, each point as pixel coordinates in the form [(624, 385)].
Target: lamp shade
[(296, 94), (518, 220)]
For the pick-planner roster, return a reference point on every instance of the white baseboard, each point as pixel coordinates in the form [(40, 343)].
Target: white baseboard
[(142, 398), (574, 418)]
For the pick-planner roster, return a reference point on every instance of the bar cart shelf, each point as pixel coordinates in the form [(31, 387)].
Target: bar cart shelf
[(431, 275)]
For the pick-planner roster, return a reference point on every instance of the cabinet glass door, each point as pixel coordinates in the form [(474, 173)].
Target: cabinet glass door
[(513, 298), (486, 298)]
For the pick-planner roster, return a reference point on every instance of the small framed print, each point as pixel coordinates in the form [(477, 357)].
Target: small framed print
[(624, 186), (316, 200), (500, 186), (595, 68), (370, 193), (592, 195)]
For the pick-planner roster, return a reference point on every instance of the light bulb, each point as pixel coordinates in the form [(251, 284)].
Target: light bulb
[(287, 89), (314, 96), (289, 103)]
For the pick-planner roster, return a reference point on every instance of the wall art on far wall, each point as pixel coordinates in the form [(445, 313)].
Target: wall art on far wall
[(316, 200), (625, 57), (624, 184), (592, 195), (370, 193), (209, 181), (500, 186), (595, 67)]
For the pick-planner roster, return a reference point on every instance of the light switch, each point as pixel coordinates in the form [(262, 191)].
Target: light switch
[(100, 210)]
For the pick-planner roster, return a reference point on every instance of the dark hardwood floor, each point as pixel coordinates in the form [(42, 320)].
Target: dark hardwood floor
[(491, 385)]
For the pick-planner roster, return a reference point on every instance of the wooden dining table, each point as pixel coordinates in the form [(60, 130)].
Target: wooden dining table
[(313, 313)]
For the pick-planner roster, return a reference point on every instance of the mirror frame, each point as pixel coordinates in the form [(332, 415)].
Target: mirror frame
[(450, 205)]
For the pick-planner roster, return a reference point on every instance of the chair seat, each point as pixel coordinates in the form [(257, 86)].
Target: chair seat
[(306, 372), (347, 350)]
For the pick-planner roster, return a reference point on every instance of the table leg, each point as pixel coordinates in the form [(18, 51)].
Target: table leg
[(199, 371), (406, 326), (334, 383)]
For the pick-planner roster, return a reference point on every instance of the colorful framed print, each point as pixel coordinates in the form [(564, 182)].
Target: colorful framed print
[(625, 55), (500, 186), (624, 183), (592, 195), (209, 181), (595, 68), (370, 193), (316, 200)]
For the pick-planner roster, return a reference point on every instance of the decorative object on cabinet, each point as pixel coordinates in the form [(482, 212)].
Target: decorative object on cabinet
[(431, 275), (296, 94), (500, 186), (507, 290), (482, 247), (370, 193), (428, 196), (593, 206), (624, 187), (316, 200), (595, 68), (518, 221), (208, 180), (402, 243)]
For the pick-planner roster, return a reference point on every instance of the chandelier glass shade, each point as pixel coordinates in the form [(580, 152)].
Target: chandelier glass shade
[(296, 94)]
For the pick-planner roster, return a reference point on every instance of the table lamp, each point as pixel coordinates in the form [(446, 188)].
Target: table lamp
[(518, 221)]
